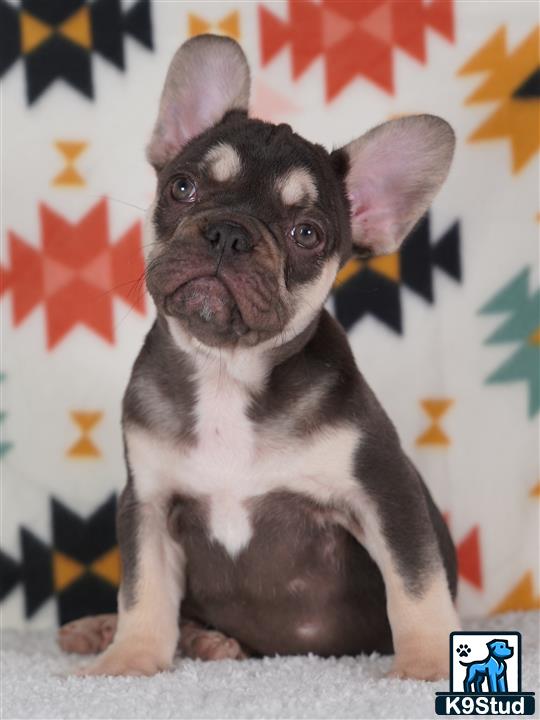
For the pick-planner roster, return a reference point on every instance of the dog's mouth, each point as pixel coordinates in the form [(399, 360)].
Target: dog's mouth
[(207, 301)]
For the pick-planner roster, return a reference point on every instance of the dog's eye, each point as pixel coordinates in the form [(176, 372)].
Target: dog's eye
[(306, 236), (183, 189)]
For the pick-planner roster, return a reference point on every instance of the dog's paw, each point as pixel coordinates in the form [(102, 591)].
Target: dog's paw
[(210, 645), (87, 635), (463, 650), (420, 667), (126, 659)]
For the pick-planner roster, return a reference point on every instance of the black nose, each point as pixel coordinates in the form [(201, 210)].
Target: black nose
[(228, 237)]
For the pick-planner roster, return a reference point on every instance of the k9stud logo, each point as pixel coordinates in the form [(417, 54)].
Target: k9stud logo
[(485, 676)]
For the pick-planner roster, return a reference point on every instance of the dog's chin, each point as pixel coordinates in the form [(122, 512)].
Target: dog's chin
[(208, 311)]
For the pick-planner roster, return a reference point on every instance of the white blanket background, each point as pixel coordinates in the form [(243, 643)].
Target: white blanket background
[(71, 260)]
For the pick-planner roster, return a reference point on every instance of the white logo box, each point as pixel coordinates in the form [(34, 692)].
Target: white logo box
[(477, 643)]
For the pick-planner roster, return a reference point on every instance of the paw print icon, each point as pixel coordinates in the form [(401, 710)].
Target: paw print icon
[(463, 650)]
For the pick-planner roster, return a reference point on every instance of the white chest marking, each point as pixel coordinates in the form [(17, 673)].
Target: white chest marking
[(222, 463), (234, 460)]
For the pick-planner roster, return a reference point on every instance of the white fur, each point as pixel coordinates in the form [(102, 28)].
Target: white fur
[(232, 463), (147, 633), (297, 185), (223, 162), (420, 624)]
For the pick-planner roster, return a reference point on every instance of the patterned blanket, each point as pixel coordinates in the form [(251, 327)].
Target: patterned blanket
[(447, 331)]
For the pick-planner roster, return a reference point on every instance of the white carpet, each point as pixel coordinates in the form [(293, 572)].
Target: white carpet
[(35, 684)]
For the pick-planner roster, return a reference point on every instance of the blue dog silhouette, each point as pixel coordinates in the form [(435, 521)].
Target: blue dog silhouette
[(493, 668)]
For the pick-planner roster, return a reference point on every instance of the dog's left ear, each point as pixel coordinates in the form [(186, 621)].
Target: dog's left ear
[(207, 77), (394, 172)]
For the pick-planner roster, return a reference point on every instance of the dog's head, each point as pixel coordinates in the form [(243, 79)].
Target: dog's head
[(500, 649), (251, 222)]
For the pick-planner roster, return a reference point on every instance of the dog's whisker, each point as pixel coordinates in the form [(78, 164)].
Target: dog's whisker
[(117, 200)]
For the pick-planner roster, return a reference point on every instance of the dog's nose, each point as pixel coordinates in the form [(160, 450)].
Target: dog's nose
[(228, 237)]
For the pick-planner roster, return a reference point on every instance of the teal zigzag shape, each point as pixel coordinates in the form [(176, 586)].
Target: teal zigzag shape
[(5, 446), (524, 321)]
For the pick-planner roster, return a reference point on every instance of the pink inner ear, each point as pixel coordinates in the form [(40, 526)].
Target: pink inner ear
[(372, 228), (395, 170), (184, 119), (372, 216), (207, 77)]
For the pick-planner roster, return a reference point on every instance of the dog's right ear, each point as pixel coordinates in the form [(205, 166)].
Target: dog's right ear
[(208, 76)]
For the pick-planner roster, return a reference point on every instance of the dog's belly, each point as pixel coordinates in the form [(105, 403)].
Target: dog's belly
[(302, 584)]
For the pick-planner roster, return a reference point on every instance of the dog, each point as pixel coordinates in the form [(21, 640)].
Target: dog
[(269, 506), (493, 668)]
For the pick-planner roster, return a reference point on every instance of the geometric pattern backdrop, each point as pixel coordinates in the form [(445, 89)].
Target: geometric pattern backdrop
[(447, 330)]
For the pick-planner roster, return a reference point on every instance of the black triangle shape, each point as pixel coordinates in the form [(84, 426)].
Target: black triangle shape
[(10, 574), (138, 23), (107, 31), (58, 58), (69, 532), (530, 88), (10, 43), (368, 293), (89, 595), (83, 539), (37, 572), (415, 260), (447, 252), (102, 524), (52, 12)]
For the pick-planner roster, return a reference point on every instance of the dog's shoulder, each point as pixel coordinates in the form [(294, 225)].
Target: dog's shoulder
[(161, 391), (324, 368)]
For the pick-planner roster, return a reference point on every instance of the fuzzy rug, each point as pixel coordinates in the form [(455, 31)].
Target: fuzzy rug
[(36, 684)]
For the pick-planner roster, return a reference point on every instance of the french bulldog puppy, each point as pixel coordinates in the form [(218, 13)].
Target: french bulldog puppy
[(269, 507)]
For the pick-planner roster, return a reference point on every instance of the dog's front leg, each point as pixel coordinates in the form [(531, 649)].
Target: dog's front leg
[(394, 523), (150, 592), (492, 678)]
